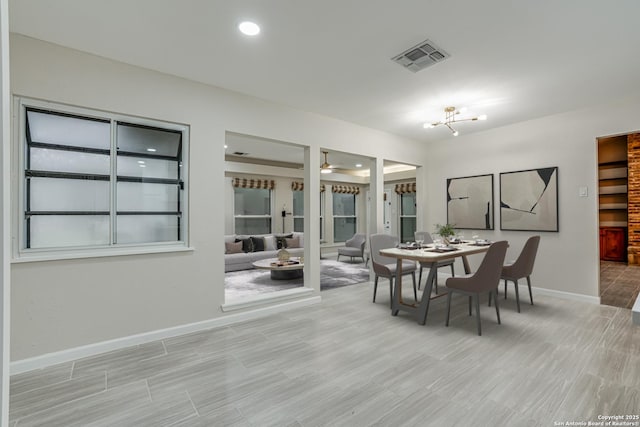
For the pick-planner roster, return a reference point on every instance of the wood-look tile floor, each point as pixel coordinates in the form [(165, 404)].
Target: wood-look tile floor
[(619, 284), (348, 362)]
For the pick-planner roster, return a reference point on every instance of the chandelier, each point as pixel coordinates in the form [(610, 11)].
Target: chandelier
[(450, 114)]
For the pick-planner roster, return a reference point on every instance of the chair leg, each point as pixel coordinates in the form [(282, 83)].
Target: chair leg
[(420, 277), (448, 307), (435, 280), (453, 273), (338, 259), (490, 298), (529, 284), (495, 298), (469, 305), (375, 288), (391, 292), (415, 290), (517, 295), (477, 297), (505, 288)]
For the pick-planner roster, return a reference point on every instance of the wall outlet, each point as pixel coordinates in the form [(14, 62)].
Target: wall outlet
[(583, 191)]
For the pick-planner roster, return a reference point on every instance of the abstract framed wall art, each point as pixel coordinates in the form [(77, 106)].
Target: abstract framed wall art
[(529, 200), (470, 202)]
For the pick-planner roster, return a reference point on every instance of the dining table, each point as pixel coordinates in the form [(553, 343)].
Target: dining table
[(429, 256)]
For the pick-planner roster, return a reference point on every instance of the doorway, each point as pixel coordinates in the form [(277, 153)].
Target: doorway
[(619, 267)]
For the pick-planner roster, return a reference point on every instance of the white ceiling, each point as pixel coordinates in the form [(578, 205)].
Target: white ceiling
[(511, 60)]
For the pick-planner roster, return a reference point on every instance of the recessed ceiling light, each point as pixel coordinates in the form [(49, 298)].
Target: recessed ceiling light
[(151, 150), (249, 28), (226, 146), (143, 166), (358, 165), (141, 162)]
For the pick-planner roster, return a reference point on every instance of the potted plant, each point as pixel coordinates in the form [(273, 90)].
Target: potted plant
[(445, 231)]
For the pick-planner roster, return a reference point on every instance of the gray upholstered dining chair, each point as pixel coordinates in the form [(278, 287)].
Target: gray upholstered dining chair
[(386, 266), (485, 279), (426, 238), (354, 247), (521, 268)]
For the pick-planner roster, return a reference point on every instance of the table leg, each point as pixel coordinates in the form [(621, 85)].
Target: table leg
[(423, 308), (397, 294), (465, 263)]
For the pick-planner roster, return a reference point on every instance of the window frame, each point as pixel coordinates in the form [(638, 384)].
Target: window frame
[(21, 253), (354, 216), (403, 215), (270, 215), (293, 209)]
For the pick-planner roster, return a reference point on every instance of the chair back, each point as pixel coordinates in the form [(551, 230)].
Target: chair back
[(423, 235), (378, 242), (487, 277), (523, 266), (357, 241)]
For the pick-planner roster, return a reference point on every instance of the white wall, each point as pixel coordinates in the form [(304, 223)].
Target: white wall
[(567, 261), (64, 304)]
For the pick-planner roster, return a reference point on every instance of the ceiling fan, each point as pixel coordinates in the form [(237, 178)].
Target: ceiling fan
[(326, 167)]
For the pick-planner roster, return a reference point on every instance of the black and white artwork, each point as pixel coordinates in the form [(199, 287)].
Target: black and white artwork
[(470, 202), (529, 200)]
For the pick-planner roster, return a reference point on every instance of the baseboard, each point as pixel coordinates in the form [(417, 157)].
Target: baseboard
[(545, 291), (71, 354)]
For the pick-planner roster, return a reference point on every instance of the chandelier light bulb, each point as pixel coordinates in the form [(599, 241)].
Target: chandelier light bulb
[(249, 28), (482, 117), (456, 133)]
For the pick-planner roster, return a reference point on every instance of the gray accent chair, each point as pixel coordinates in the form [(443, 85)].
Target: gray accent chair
[(426, 237), (384, 266), (521, 268), (354, 247), (485, 279)]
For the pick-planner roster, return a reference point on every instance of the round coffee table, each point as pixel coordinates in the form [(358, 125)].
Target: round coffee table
[(281, 270)]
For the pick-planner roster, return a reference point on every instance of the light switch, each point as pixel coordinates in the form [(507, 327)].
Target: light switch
[(583, 191)]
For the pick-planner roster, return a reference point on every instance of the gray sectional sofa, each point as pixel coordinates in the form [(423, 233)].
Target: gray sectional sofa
[(245, 260)]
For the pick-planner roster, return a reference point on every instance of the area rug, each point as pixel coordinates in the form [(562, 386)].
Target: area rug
[(333, 274)]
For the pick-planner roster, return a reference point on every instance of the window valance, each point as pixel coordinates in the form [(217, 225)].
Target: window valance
[(346, 189), (407, 187), (267, 184), (299, 186)]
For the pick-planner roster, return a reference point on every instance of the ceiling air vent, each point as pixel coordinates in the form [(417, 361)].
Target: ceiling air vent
[(240, 153), (421, 56)]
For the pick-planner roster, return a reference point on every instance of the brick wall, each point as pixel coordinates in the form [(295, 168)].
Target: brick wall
[(633, 196)]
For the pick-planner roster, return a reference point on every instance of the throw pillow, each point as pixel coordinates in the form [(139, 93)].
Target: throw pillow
[(293, 242), (247, 244), (281, 240), (233, 248), (258, 244), (270, 243)]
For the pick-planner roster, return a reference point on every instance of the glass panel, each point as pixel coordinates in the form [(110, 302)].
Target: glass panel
[(343, 229), (148, 141), (250, 226), (54, 129), (146, 228), (44, 159), (252, 201), (53, 194), (68, 230), (344, 204), (145, 167), (137, 196), (298, 203), (408, 204), (298, 224), (407, 229)]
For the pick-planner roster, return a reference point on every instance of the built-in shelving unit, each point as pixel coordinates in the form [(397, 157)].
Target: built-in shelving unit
[(613, 199)]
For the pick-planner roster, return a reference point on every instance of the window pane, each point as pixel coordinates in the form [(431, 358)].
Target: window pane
[(298, 203), (55, 129), (298, 224), (250, 226), (252, 201), (343, 229), (407, 229), (43, 159), (408, 204), (54, 194), (344, 204), (150, 168), (48, 231), (146, 228), (157, 142), (139, 196)]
